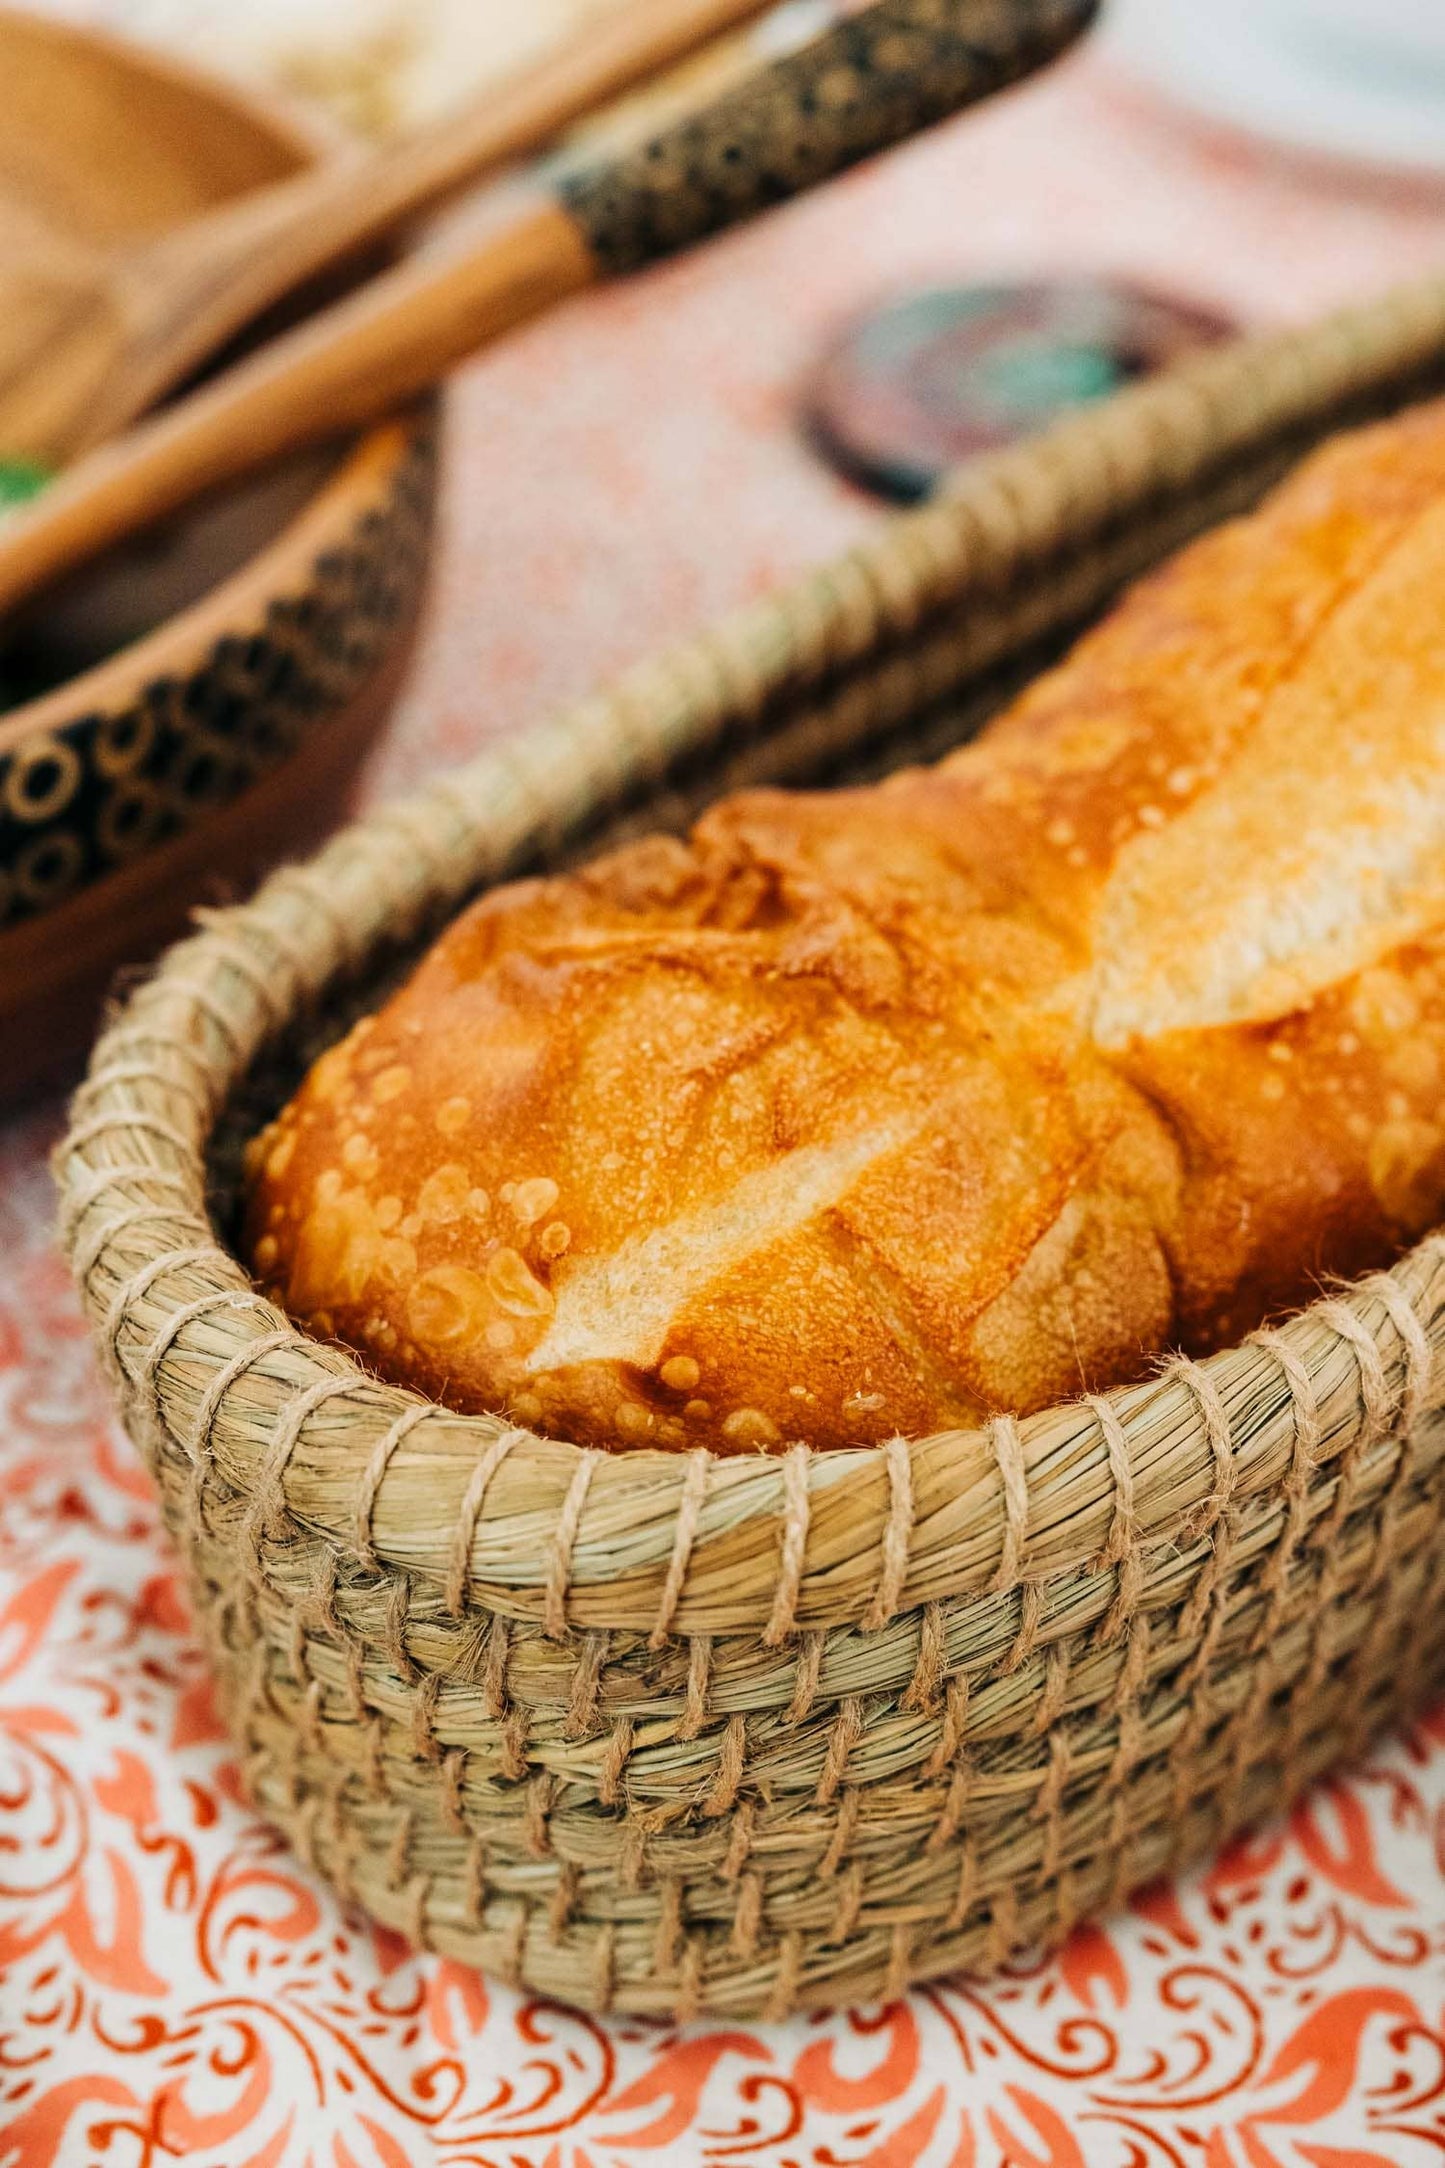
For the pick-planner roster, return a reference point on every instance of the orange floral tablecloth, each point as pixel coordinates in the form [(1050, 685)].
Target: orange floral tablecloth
[(173, 1985)]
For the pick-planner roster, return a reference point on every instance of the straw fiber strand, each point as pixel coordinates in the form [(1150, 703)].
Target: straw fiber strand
[(676, 1734)]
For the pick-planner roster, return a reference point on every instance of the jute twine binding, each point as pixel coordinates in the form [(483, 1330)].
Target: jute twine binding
[(671, 1734)]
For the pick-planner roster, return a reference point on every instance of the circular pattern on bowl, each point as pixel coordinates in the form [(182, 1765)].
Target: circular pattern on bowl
[(113, 763)]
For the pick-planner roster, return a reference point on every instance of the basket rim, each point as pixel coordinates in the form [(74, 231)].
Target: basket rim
[(640, 1540)]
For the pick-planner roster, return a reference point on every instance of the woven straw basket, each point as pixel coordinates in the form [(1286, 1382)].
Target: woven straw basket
[(656, 1733)]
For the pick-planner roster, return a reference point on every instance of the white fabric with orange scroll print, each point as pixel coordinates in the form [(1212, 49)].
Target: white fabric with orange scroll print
[(174, 1984)]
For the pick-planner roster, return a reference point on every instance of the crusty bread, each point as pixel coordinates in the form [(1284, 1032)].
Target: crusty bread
[(873, 1110)]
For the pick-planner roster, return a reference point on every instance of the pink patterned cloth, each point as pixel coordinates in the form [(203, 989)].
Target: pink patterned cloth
[(173, 1984)]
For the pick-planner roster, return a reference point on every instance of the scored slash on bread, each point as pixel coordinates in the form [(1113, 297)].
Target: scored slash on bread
[(876, 1110)]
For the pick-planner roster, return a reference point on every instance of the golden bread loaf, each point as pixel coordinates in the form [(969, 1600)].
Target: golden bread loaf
[(876, 1110)]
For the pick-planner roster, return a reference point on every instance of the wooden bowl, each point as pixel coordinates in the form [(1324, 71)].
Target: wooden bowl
[(195, 706)]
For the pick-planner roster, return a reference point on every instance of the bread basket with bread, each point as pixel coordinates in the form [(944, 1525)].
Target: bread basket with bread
[(681, 1715)]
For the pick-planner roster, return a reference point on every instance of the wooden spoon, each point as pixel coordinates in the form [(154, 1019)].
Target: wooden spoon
[(869, 82), (90, 338)]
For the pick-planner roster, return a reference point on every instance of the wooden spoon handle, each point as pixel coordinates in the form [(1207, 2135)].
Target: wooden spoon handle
[(344, 367), (210, 277), (872, 80), (868, 83)]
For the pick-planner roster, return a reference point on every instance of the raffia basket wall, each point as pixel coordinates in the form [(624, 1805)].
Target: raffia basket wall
[(653, 1733)]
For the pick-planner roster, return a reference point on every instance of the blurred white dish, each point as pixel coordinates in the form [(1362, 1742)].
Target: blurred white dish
[(1362, 80), (379, 65)]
